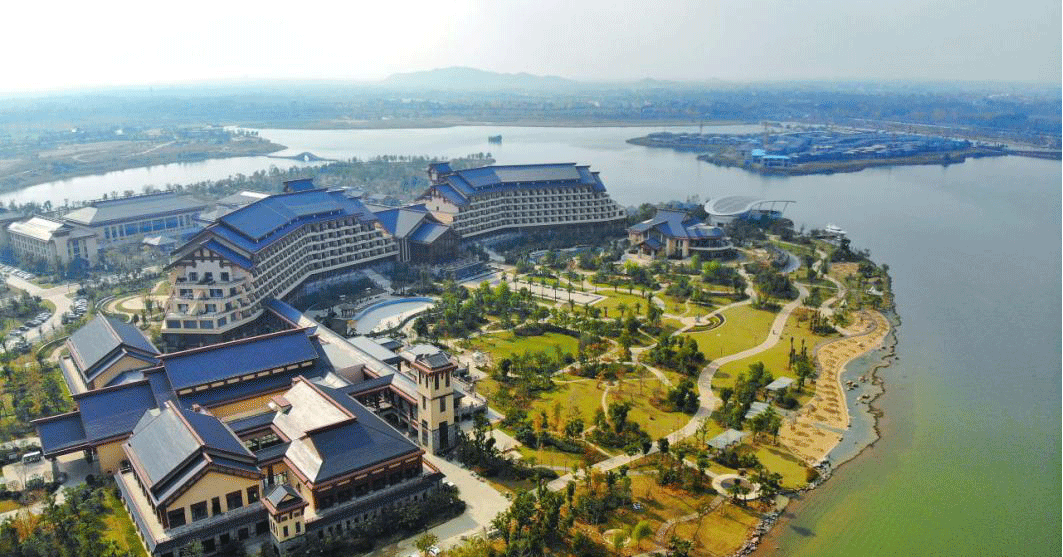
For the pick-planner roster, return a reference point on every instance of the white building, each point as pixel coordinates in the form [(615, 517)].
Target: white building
[(491, 199), (127, 220), (54, 242)]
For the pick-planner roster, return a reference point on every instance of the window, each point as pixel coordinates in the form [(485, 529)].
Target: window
[(298, 527), (199, 511), (208, 545), (286, 530), (215, 506), (448, 378), (224, 539), (192, 275), (242, 534), (261, 528), (225, 277), (234, 500), (176, 517), (424, 402), (443, 404)]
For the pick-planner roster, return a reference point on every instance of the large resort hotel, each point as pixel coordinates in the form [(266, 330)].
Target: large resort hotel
[(271, 247), (266, 439), (491, 199)]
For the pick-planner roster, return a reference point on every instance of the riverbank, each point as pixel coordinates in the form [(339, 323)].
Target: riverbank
[(89, 159), (944, 159), (401, 124)]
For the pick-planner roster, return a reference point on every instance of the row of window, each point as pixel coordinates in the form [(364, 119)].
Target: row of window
[(118, 231), (233, 500)]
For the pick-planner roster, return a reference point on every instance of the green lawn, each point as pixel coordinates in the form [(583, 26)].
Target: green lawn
[(775, 358), (777, 459), (120, 528), (721, 532), (673, 305), (503, 344), (639, 391), (553, 457), (575, 396), (610, 306), (744, 328)]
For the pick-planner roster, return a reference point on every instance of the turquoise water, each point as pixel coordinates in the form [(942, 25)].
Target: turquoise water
[(969, 460)]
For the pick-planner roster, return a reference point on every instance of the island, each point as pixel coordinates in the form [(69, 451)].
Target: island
[(797, 150)]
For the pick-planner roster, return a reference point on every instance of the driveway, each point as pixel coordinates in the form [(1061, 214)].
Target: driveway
[(482, 502), (58, 295)]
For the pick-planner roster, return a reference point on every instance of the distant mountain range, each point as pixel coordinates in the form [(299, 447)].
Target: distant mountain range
[(463, 78)]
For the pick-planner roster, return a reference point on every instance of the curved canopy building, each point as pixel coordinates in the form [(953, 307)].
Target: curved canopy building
[(723, 210)]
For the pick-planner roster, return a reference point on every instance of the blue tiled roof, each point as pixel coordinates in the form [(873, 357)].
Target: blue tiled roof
[(302, 184), (61, 432), (252, 422), (675, 224), (369, 385), (362, 443), (652, 243), (259, 224), (114, 411), (451, 194), (215, 434), (229, 254), (428, 232), (219, 362), (493, 178)]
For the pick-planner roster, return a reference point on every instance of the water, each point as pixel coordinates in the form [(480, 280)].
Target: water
[(969, 462), (84, 188), (389, 314)]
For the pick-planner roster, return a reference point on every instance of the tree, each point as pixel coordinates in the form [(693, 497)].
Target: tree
[(662, 445), (678, 547), (641, 531), (620, 539), (425, 542)]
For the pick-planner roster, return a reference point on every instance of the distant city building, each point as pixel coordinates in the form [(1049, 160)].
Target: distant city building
[(128, 220), (672, 233), (264, 250), (52, 241), (724, 210), (493, 199)]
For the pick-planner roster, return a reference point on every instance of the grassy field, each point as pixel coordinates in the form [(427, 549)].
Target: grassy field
[(744, 328), (775, 358), (8, 505), (611, 304), (502, 345), (721, 532), (639, 391), (575, 396), (120, 529), (659, 505), (553, 457), (777, 459)]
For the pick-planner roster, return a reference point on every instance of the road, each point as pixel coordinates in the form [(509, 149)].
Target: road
[(58, 295)]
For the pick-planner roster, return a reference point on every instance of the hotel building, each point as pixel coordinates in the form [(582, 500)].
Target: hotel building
[(266, 439), (128, 220), (267, 249), (492, 199), (678, 234)]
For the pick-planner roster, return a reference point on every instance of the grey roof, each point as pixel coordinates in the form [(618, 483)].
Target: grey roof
[(279, 494), (726, 439), (779, 384), (134, 208), (102, 339), (240, 199), (374, 349), (756, 408), (435, 361), (171, 445), (674, 224)]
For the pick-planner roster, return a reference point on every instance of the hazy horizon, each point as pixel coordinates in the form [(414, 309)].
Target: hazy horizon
[(122, 43)]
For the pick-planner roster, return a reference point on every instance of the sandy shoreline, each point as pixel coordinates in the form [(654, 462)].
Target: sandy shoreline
[(821, 424)]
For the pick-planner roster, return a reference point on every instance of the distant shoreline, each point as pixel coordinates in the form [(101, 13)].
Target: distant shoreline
[(432, 124)]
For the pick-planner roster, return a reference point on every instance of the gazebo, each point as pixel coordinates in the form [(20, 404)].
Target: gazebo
[(727, 439)]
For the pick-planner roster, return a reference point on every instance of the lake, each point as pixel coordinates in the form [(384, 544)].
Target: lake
[(969, 462)]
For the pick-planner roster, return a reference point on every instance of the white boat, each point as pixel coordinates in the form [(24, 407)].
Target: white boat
[(834, 230)]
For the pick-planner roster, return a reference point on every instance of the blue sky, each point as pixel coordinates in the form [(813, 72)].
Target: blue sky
[(111, 42)]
